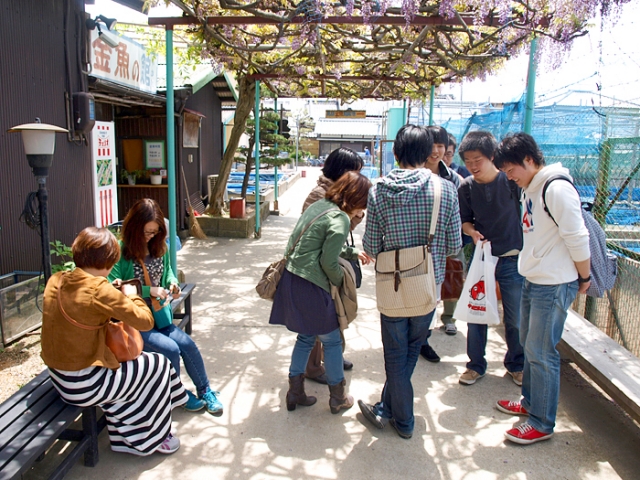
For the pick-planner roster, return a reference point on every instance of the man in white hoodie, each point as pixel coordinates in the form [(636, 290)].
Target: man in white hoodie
[(555, 262)]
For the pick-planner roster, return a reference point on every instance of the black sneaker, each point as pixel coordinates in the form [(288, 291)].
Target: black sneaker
[(429, 354), (369, 414), (406, 436)]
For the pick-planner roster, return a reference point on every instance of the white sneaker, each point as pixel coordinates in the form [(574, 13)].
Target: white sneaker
[(469, 377), (170, 445), (450, 329)]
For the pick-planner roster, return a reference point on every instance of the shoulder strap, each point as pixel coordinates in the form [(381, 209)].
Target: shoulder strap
[(157, 306), (544, 193), (67, 317), (305, 229), (437, 197), (513, 186)]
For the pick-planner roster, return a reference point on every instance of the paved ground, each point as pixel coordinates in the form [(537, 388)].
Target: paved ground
[(459, 434)]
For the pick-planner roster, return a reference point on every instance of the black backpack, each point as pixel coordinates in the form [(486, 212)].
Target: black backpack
[(604, 264)]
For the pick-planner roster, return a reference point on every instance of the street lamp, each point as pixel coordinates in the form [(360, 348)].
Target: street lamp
[(39, 141)]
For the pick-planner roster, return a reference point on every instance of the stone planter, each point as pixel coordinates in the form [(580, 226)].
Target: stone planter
[(233, 227)]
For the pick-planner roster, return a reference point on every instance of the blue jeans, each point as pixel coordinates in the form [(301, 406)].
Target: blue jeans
[(332, 343), (511, 290), (543, 312), (173, 343), (402, 338)]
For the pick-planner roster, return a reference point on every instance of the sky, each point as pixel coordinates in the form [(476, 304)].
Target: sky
[(602, 68)]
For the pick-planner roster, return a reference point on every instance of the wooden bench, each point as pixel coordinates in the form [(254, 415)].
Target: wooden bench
[(184, 300), (608, 364), (33, 418)]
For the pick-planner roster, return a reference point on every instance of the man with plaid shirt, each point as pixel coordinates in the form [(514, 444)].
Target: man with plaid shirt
[(398, 216)]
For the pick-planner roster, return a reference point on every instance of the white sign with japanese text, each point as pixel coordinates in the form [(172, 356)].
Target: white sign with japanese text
[(103, 159), (128, 64)]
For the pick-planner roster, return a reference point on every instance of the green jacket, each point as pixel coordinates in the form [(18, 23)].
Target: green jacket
[(315, 257), (124, 271)]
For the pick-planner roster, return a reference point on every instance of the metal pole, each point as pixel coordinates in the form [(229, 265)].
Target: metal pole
[(432, 94), (297, 140), (275, 167), (171, 151), (404, 111), (531, 88), (43, 197), (257, 157)]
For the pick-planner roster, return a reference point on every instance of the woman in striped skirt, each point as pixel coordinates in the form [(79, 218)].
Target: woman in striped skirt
[(136, 396)]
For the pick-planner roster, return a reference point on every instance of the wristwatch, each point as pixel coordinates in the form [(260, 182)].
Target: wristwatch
[(584, 280)]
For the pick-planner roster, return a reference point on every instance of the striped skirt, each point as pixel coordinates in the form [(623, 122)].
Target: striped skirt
[(137, 399)]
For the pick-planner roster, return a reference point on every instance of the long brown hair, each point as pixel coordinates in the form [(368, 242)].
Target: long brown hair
[(350, 192), (143, 211)]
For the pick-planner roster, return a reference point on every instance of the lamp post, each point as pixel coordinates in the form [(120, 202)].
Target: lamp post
[(39, 141)]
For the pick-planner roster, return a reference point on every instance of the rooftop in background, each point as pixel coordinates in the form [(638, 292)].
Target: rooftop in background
[(348, 128)]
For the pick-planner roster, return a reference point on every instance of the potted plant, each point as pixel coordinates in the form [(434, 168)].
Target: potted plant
[(130, 177), (155, 175)]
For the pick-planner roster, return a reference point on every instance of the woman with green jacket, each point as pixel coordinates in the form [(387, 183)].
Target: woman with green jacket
[(303, 300), (144, 254)]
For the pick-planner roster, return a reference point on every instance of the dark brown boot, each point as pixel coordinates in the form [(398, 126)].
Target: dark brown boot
[(296, 395), (338, 399)]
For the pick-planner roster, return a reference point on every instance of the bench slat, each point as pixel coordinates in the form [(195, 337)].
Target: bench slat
[(38, 411), (611, 366), (25, 391), (36, 439)]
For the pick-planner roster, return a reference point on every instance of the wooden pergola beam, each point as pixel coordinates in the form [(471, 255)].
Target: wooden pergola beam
[(489, 21), (346, 78)]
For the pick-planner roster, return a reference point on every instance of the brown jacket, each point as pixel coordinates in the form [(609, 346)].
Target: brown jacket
[(345, 297), (89, 300)]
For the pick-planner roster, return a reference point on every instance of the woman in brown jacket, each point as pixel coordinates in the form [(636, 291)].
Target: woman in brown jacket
[(136, 396)]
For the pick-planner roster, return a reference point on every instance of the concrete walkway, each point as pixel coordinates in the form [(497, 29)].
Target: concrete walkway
[(458, 435)]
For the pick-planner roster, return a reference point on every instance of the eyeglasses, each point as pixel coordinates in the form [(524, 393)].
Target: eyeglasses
[(150, 234), (448, 154)]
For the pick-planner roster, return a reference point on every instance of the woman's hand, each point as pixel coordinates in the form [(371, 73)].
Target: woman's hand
[(127, 289), (117, 283), (365, 259), (158, 293), (175, 290)]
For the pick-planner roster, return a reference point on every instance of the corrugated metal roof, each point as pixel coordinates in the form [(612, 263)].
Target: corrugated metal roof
[(348, 128)]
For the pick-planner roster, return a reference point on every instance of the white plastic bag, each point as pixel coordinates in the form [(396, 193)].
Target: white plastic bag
[(478, 302)]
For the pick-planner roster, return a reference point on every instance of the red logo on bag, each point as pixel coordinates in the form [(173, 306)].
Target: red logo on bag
[(477, 291)]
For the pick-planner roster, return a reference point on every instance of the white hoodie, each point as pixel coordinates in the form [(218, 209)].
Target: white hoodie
[(549, 251)]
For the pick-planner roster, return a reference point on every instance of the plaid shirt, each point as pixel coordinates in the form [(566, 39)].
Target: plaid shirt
[(399, 214)]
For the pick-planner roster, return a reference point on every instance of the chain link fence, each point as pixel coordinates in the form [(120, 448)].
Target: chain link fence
[(601, 148)]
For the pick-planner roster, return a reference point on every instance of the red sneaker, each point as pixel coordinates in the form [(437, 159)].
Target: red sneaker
[(512, 408), (525, 434)]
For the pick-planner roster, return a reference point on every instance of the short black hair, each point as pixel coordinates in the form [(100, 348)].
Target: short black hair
[(480, 140), (438, 135), (412, 146), (340, 161), (515, 147), (452, 142)]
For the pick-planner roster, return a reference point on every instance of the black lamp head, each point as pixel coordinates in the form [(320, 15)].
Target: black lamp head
[(110, 23)]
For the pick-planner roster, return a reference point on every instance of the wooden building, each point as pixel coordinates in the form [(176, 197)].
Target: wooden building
[(47, 59)]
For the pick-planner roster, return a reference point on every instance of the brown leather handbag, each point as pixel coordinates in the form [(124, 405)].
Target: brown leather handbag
[(453, 279), (122, 339)]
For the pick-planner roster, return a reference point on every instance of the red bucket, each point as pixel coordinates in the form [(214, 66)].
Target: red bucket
[(236, 208), (303, 173)]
